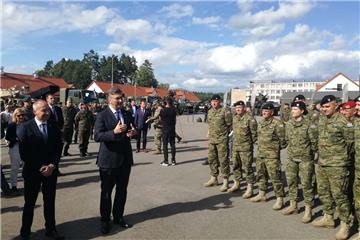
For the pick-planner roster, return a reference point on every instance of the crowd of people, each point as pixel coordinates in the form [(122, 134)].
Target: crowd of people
[(322, 143), (323, 147)]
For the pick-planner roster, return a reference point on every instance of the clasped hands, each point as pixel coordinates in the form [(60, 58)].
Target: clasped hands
[(121, 128), (47, 170)]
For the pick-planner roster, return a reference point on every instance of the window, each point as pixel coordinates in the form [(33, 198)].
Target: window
[(278, 91), (262, 85), (300, 84)]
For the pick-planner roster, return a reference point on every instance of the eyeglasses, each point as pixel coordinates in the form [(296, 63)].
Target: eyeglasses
[(20, 115)]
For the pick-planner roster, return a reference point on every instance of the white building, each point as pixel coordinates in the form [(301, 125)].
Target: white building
[(337, 83), (275, 89)]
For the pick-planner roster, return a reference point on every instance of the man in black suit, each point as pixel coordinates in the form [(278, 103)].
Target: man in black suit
[(113, 129), (40, 149), (133, 108), (141, 116)]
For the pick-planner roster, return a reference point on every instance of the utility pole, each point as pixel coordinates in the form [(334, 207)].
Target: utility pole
[(112, 70)]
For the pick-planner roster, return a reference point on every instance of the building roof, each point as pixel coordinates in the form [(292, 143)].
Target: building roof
[(314, 96), (10, 80), (132, 91), (319, 86)]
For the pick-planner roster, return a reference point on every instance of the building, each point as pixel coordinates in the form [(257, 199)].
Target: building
[(142, 92), (28, 84), (337, 83)]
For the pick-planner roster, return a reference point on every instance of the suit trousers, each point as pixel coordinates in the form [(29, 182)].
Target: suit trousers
[(143, 133), (32, 183), (110, 178)]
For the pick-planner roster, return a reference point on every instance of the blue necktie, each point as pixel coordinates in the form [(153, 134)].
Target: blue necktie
[(44, 131)]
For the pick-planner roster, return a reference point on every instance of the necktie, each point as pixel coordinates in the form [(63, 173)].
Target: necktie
[(44, 131), (54, 112), (118, 116)]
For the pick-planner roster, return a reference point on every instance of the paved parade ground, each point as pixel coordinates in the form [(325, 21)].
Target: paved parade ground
[(163, 202)]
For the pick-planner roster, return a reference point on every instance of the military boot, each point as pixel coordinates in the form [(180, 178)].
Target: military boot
[(291, 209), (234, 187), (327, 221), (260, 197), (225, 185), (307, 214), (212, 182), (249, 192), (344, 231), (278, 204)]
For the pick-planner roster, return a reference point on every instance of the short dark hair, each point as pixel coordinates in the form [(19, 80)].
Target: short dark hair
[(168, 101), (115, 90), (143, 100)]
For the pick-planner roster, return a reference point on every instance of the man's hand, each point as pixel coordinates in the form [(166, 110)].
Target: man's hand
[(47, 170), (131, 133), (147, 121), (120, 128)]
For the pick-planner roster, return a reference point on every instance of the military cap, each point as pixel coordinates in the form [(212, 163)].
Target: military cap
[(215, 97), (299, 97), (327, 99), (268, 106), (357, 99), (348, 105), (239, 103), (300, 105), (317, 102)]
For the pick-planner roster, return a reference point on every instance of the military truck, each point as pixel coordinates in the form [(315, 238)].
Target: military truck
[(78, 95)]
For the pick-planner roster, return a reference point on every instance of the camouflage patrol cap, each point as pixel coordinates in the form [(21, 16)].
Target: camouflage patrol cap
[(327, 99), (215, 97), (357, 99), (268, 106), (299, 97), (239, 103)]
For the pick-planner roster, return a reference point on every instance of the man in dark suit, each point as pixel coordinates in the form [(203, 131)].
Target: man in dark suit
[(133, 108), (113, 129), (142, 114), (40, 149)]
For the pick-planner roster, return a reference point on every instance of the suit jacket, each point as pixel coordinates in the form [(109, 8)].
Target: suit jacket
[(34, 151), (132, 110), (11, 134), (59, 114), (115, 149), (140, 120)]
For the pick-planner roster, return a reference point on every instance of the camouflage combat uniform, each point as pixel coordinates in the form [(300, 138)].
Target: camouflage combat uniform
[(219, 121), (244, 136), (285, 115), (335, 134), (271, 139), (83, 121), (356, 187), (69, 114), (301, 139), (157, 128)]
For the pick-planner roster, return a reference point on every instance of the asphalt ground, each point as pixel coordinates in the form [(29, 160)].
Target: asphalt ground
[(163, 202)]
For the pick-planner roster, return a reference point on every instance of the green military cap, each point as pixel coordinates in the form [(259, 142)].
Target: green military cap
[(268, 106), (327, 99), (239, 103), (216, 97)]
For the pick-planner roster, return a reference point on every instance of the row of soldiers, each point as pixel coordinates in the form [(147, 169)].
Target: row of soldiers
[(322, 146)]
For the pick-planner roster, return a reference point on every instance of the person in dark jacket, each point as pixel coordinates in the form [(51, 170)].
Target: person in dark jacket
[(113, 129), (141, 116)]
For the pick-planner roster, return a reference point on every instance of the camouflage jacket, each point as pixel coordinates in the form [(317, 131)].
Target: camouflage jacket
[(69, 116), (244, 132), (285, 115), (271, 138), (315, 115), (301, 139), (156, 118), (219, 121), (357, 142), (335, 137), (84, 120)]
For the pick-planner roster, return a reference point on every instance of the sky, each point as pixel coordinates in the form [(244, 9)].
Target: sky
[(204, 45)]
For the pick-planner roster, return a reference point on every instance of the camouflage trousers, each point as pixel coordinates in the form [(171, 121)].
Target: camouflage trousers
[(357, 195), (269, 167), (333, 185), (218, 156), (157, 138), (84, 136), (243, 160), (304, 170)]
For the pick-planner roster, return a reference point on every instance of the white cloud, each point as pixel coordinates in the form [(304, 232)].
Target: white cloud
[(177, 11), (212, 21), (205, 82), (270, 20)]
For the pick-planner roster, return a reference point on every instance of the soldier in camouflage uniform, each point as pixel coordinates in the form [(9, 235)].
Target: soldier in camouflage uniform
[(157, 126), (69, 113), (285, 113), (356, 187), (335, 134), (244, 136), (301, 139), (83, 121), (271, 139), (219, 120)]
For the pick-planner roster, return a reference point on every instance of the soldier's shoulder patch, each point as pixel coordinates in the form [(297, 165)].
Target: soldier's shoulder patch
[(349, 125), (281, 125), (312, 126), (253, 120)]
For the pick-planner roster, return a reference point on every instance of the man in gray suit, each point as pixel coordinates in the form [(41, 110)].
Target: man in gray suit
[(114, 129)]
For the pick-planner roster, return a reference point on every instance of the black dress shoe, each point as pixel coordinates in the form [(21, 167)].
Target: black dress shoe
[(67, 154), (105, 227), (54, 235), (122, 223), (205, 163)]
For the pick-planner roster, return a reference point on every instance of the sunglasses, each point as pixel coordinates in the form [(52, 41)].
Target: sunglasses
[(20, 115)]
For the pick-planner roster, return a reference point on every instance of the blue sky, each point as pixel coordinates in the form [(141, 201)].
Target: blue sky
[(207, 46)]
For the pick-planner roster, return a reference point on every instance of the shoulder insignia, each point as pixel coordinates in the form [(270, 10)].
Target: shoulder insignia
[(349, 125), (312, 126)]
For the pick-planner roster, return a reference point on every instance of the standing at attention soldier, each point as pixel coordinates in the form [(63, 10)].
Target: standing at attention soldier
[(301, 139), (157, 126), (244, 136), (271, 139), (219, 120), (356, 187), (83, 121), (69, 113), (335, 134), (285, 113)]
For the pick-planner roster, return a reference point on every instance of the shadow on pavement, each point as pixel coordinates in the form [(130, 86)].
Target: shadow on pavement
[(190, 161), (14, 209)]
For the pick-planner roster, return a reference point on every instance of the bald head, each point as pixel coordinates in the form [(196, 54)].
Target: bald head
[(41, 110)]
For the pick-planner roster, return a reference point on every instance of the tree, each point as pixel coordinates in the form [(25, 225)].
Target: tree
[(47, 71), (110, 67), (164, 86), (145, 75), (128, 69), (92, 59)]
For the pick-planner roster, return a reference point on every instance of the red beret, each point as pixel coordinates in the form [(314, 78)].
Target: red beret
[(348, 105)]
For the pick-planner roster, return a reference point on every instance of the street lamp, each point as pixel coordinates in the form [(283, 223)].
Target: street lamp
[(112, 70)]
